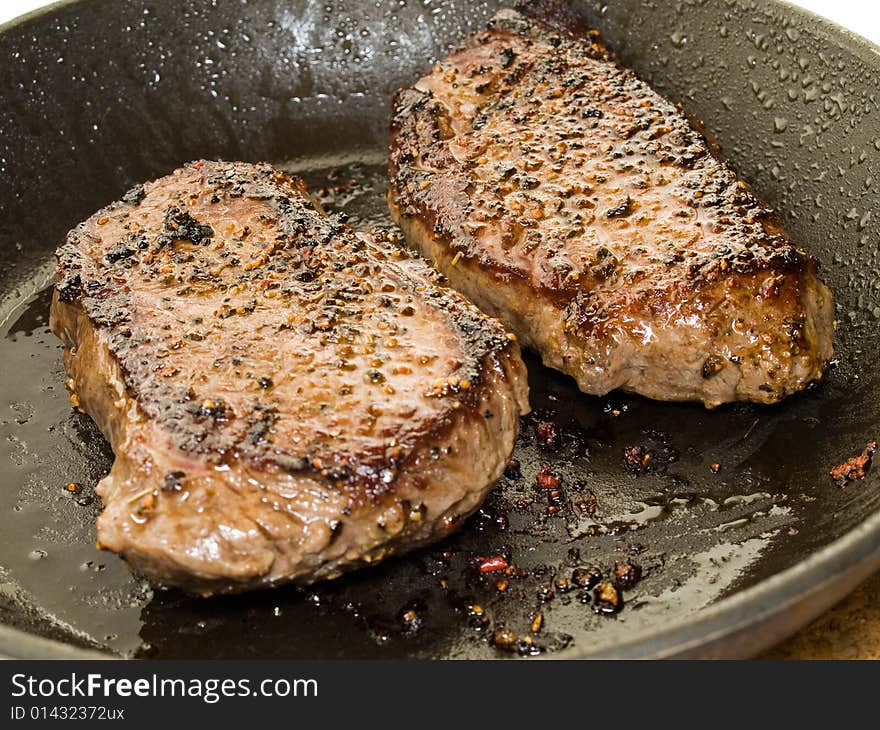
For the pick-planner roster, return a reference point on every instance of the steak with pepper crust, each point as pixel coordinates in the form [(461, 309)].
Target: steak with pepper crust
[(286, 399), (563, 195)]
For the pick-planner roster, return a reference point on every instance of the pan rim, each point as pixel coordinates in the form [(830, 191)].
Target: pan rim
[(35, 14), (808, 588)]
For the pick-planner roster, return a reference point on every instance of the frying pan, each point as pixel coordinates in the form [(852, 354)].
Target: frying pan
[(98, 95)]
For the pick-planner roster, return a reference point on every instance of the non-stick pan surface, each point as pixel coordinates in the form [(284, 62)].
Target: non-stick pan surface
[(99, 95)]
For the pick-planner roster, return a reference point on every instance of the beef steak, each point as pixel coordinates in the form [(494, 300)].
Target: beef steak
[(286, 399), (563, 195)]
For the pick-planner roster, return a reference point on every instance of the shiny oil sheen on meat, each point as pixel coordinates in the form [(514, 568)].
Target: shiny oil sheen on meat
[(563, 195), (286, 399)]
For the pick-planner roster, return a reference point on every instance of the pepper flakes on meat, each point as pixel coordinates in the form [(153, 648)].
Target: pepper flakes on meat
[(173, 481), (562, 585), (537, 623), (569, 113), (588, 506), (182, 226), (622, 209), (135, 195), (185, 401)]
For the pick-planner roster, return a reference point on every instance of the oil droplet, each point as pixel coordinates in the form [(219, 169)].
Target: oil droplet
[(780, 124)]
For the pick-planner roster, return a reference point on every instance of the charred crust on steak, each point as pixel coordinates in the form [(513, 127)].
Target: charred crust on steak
[(180, 225), (135, 195)]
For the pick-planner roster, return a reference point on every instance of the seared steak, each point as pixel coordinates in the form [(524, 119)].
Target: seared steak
[(286, 399), (565, 196)]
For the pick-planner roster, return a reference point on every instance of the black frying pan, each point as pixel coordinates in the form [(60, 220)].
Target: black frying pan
[(97, 95)]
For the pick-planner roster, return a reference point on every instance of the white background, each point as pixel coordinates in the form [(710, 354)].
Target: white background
[(860, 16)]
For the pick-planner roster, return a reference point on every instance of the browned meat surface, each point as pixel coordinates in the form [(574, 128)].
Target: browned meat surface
[(285, 399), (565, 196)]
